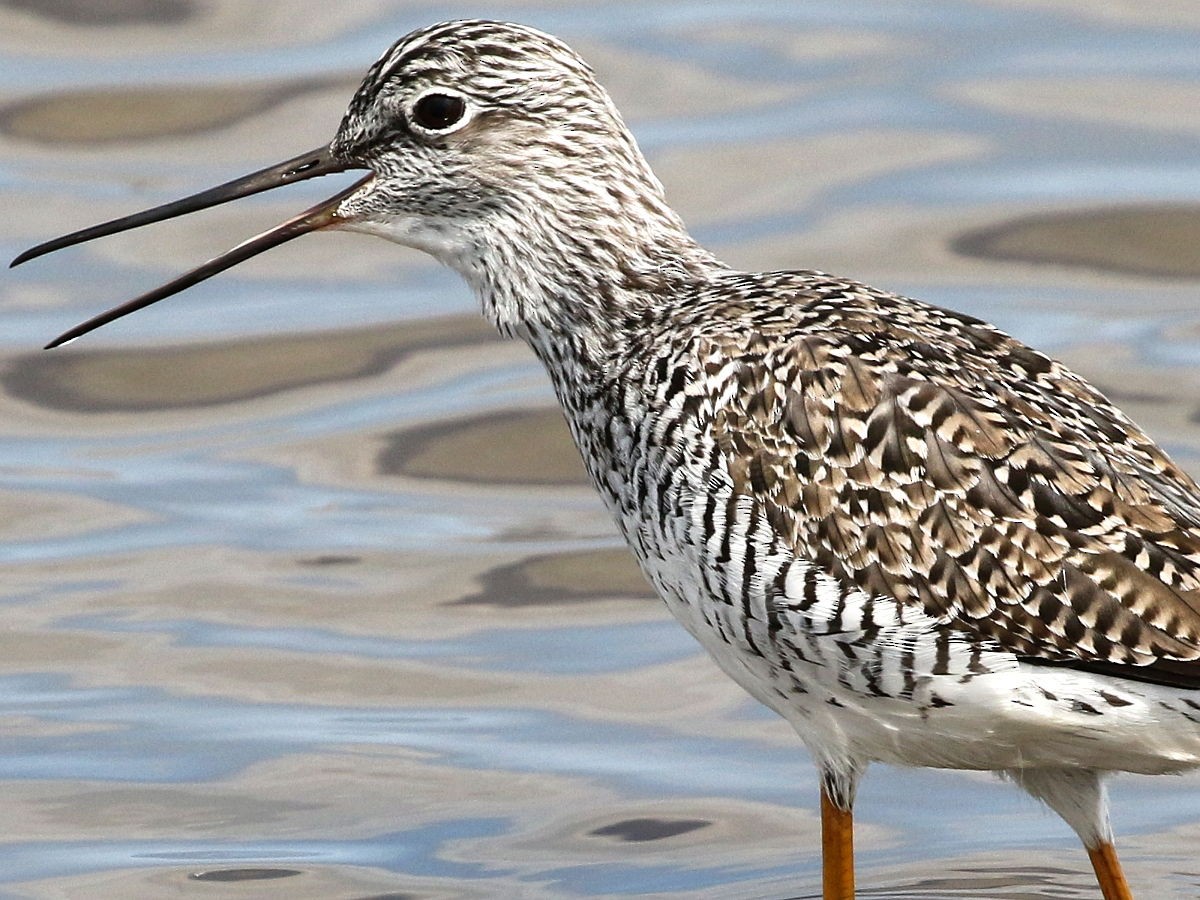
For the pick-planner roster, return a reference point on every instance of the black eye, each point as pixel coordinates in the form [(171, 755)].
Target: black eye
[(437, 112)]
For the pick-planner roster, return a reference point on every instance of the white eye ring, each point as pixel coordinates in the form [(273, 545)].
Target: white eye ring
[(440, 111)]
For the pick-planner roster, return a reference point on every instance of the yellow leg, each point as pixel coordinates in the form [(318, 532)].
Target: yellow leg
[(837, 851), (1108, 872)]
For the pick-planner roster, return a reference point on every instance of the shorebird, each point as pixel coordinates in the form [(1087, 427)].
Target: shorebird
[(915, 538)]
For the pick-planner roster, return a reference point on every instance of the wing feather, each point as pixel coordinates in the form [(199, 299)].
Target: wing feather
[(999, 492)]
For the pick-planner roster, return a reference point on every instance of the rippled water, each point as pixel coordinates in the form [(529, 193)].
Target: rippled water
[(304, 590)]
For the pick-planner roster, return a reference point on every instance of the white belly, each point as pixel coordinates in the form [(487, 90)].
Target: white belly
[(983, 711)]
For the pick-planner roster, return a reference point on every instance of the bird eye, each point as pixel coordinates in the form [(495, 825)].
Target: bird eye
[(437, 112)]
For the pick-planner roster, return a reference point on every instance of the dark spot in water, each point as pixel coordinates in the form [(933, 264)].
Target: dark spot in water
[(216, 373), (330, 559), (1147, 240), (94, 116), (1080, 706), (1114, 700), (107, 12), (562, 578), (244, 874), (518, 447), (642, 830)]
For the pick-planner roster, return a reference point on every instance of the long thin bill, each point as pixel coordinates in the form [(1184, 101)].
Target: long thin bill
[(307, 165), (323, 215)]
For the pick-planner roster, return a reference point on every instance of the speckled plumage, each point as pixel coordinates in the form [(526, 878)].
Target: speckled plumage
[(905, 531), (914, 537)]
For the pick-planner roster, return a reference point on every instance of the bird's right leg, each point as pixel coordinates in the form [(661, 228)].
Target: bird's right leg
[(837, 833)]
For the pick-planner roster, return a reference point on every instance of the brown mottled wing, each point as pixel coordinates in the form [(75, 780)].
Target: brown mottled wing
[(950, 467)]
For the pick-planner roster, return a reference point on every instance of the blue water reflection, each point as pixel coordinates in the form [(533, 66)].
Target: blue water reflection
[(261, 483)]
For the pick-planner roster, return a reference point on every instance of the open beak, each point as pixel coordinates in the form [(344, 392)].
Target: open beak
[(308, 165)]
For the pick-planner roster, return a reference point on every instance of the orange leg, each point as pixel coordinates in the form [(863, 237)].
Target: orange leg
[(837, 852), (1108, 872)]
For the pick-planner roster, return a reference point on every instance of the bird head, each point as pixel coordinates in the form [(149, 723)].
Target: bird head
[(488, 145)]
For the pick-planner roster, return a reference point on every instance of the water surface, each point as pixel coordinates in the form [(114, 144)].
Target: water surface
[(305, 595)]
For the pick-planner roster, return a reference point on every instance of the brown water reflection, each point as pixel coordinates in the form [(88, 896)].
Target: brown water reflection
[(1152, 241), (304, 587), (108, 12), (583, 577), (198, 375), (149, 113), (523, 447)]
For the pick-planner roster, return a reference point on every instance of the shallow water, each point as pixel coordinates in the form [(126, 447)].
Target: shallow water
[(305, 594)]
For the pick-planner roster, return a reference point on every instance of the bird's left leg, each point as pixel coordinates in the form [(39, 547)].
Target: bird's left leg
[(1079, 796), (1109, 874)]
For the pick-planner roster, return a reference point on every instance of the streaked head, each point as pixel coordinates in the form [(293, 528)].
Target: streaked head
[(475, 124), (482, 141)]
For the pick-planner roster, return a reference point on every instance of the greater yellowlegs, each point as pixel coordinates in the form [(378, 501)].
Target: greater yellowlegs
[(913, 537)]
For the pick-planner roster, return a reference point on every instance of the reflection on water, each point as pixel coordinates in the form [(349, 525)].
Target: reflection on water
[(1152, 241), (148, 113), (304, 586), (217, 374), (107, 12)]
